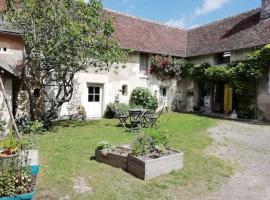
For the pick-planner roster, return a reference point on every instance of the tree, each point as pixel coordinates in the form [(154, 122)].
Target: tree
[(61, 38)]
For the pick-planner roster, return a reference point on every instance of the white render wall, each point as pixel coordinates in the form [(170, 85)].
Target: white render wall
[(112, 82)]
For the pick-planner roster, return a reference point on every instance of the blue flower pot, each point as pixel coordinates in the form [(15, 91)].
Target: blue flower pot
[(28, 196), (34, 170)]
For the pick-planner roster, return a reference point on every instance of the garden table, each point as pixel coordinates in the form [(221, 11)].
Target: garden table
[(136, 117)]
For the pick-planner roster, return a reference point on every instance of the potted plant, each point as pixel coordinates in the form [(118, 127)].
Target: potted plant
[(10, 146), (17, 176), (16, 181)]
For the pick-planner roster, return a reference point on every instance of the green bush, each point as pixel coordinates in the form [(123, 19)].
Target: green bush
[(142, 97), (113, 109), (27, 126), (103, 145), (159, 136), (142, 145)]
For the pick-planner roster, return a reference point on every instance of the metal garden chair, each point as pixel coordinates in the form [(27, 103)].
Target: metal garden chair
[(153, 118), (135, 119), (122, 118)]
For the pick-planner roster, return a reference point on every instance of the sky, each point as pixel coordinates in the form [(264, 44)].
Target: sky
[(182, 13)]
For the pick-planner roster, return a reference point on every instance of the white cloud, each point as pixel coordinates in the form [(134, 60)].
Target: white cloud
[(184, 22), (178, 23), (210, 6)]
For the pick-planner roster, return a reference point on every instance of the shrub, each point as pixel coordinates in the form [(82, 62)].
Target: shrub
[(142, 97), (142, 145), (103, 145), (113, 108), (27, 126), (160, 137)]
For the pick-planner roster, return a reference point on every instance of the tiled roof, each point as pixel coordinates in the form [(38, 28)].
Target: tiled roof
[(238, 32), (242, 31), (142, 35)]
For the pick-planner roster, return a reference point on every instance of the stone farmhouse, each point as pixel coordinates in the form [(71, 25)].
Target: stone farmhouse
[(218, 43)]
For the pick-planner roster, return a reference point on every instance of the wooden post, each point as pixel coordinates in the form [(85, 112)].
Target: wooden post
[(2, 87)]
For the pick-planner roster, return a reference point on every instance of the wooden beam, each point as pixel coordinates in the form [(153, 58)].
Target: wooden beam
[(2, 87)]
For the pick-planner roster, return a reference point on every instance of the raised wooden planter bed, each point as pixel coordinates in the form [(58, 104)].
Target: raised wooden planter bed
[(146, 168), (117, 158)]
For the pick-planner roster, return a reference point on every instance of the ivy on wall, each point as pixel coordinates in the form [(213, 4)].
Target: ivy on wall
[(252, 69), (242, 75)]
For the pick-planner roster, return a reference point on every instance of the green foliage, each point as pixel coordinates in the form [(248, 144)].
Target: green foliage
[(15, 179), (236, 73), (2, 125), (142, 145), (152, 140), (160, 137), (103, 145), (142, 97), (63, 38), (10, 145), (26, 126), (166, 67), (115, 109), (36, 127)]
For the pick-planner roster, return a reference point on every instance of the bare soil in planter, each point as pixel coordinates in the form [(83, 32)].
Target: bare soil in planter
[(121, 151), (156, 154)]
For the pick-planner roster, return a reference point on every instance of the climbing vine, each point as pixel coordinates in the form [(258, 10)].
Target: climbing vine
[(236, 73), (242, 75)]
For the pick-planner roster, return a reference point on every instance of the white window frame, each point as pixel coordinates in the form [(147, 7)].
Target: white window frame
[(144, 64)]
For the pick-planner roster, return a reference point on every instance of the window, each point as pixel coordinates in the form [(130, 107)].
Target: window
[(124, 90), (163, 92), (223, 58), (144, 63), (37, 92), (93, 94)]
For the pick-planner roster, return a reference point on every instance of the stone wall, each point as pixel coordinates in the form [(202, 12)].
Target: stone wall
[(112, 82)]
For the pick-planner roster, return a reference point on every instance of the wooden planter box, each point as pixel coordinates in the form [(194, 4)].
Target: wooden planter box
[(113, 159), (146, 169)]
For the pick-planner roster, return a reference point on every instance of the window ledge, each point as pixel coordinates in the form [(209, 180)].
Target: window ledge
[(143, 76)]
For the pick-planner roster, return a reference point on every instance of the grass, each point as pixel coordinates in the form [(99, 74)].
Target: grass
[(66, 154)]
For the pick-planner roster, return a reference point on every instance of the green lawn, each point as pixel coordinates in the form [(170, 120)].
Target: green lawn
[(66, 153)]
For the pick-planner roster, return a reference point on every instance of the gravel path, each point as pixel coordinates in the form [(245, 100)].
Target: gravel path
[(247, 146)]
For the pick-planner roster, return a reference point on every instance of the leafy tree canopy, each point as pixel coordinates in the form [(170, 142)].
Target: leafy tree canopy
[(61, 38)]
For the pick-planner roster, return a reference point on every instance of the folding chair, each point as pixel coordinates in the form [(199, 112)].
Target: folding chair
[(153, 119), (135, 119), (122, 118)]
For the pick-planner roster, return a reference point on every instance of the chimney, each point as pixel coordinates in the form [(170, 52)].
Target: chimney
[(265, 11)]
